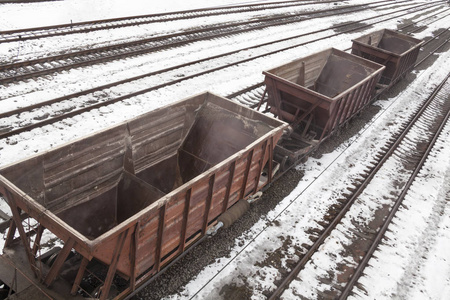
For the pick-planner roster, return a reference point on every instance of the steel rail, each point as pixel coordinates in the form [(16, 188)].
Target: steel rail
[(111, 101), (332, 225), (22, 34), (244, 49), (94, 56), (381, 232)]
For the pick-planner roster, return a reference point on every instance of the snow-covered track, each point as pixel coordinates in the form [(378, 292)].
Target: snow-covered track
[(359, 234), (36, 68), (15, 121), (89, 26), (442, 94)]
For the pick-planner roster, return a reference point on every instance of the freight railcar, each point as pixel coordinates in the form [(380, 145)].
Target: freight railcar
[(132, 197), (398, 52), (317, 94)]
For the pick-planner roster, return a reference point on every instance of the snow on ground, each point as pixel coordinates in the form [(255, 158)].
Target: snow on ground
[(68, 82), (19, 51), (231, 80), (324, 181), (418, 242), (325, 178), (16, 16), (24, 93)]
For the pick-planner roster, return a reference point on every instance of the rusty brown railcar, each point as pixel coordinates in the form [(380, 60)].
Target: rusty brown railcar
[(317, 94), (136, 195), (398, 52)]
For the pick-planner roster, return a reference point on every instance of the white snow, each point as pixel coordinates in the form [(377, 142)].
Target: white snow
[(16, 16), (324, 180), (426, 216)]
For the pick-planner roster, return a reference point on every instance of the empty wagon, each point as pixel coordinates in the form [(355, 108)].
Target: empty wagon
[(398, 52), (318, 93), (135, 196)]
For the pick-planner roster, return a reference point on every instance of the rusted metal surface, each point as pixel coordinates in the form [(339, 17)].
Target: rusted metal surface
[(398, 52), (318, 93), (136, 195)]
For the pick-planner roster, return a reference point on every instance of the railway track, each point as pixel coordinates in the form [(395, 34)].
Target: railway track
[(48, 65), (240, 93), (241, 96), (430, 49), (401, 162), (70, 105), (405, 154), (89, 26)]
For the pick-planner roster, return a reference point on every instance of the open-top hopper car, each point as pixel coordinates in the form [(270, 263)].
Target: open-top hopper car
[(317, 94), (135, 196)]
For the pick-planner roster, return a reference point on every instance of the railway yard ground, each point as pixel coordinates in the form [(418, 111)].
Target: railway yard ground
[(391, 161)]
